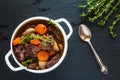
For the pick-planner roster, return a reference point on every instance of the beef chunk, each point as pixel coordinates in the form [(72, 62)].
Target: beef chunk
[(43, 46), (35, 49), (18, 48), (53, 61), (29, 53), (53, 31), (19, 52), (34, 66), (46, 46)]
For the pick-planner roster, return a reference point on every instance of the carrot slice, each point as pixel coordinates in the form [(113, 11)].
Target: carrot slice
[(35, 41), (41, 29), (51, 52), (43, 55), (16, 41)]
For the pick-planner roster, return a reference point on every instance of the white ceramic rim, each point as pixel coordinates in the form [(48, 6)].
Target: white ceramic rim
[(64, 52)]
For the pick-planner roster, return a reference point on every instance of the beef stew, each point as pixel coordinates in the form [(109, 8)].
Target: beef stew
[(38, 44)]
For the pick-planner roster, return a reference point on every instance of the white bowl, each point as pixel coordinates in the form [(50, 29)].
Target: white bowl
[(65, 36)]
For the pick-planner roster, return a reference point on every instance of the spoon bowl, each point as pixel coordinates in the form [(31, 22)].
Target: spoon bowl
[(84, 33)]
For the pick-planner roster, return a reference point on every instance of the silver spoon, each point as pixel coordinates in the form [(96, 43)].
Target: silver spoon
[(85, 35)]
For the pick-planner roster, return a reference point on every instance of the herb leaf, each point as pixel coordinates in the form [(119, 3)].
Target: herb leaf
[(26, 63)]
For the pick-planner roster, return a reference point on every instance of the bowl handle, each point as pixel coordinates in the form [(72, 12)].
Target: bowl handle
[(9, 64), (68, 24)]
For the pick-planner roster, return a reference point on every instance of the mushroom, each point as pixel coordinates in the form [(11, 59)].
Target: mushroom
[(42, 64), (29, 30), (61, 46), (55, 46)]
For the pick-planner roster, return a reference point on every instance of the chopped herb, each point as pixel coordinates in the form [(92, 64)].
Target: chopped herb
[(44, 44), (51, 22), (26, 63), (26, 39)]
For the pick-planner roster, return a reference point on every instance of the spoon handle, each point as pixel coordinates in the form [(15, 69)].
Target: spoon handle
[(104, 69)]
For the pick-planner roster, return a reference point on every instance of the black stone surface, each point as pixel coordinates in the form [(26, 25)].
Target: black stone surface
[(79, 63)]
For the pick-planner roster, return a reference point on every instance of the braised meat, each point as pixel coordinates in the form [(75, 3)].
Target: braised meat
[(38, 46)]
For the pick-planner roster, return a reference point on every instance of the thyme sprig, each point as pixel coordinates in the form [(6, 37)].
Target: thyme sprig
[(103, 21), (101, 10), (111, 28)]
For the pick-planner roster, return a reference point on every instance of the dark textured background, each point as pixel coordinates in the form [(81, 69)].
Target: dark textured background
[(79, 63)]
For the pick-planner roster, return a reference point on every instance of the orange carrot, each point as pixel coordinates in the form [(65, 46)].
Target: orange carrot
[(43, 55), (41, 29), (51, 52), (16, 41), (35, 41)]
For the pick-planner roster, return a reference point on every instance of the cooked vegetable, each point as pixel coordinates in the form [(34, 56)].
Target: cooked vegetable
[(29, 30), (43, 55), (55, 46), (41, 29), (42, 64), (61, 46), (51, 52), (35, 41), (101, 10), (16, 41)]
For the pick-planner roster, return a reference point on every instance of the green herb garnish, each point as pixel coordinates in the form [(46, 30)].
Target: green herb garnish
[(26, 63), (51, 22), (26, 38)]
